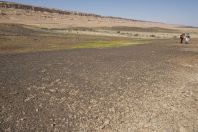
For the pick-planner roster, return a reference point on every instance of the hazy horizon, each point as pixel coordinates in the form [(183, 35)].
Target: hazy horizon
[(172, 12)]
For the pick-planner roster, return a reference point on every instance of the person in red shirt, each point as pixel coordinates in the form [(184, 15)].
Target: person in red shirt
[(182, 38)]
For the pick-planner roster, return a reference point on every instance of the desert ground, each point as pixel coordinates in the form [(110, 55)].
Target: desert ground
[(149, 87), (107, 75), (84, 23)]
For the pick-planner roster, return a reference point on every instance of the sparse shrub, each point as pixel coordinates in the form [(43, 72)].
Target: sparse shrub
[(118, 31), (175, 37), (3, 14), (152, 36), (136, 35), (18, 14), (43, 28)]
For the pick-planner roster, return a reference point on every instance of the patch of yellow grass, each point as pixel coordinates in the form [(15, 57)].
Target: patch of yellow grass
[(107, 44)]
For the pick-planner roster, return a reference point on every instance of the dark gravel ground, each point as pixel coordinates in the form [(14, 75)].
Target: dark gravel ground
[(151, 87)]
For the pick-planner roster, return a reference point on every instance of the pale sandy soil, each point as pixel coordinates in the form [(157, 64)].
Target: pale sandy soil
[(55, 20), (59, 21)]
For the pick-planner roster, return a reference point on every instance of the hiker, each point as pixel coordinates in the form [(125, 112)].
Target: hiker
[(182, 38), (187, 38)]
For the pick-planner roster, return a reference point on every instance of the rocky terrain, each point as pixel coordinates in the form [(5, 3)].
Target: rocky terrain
[(80, 72), (151, 87)]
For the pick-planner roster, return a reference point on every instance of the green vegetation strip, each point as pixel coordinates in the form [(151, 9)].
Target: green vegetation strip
[(108, 44), (21, 39), (24, 44)]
